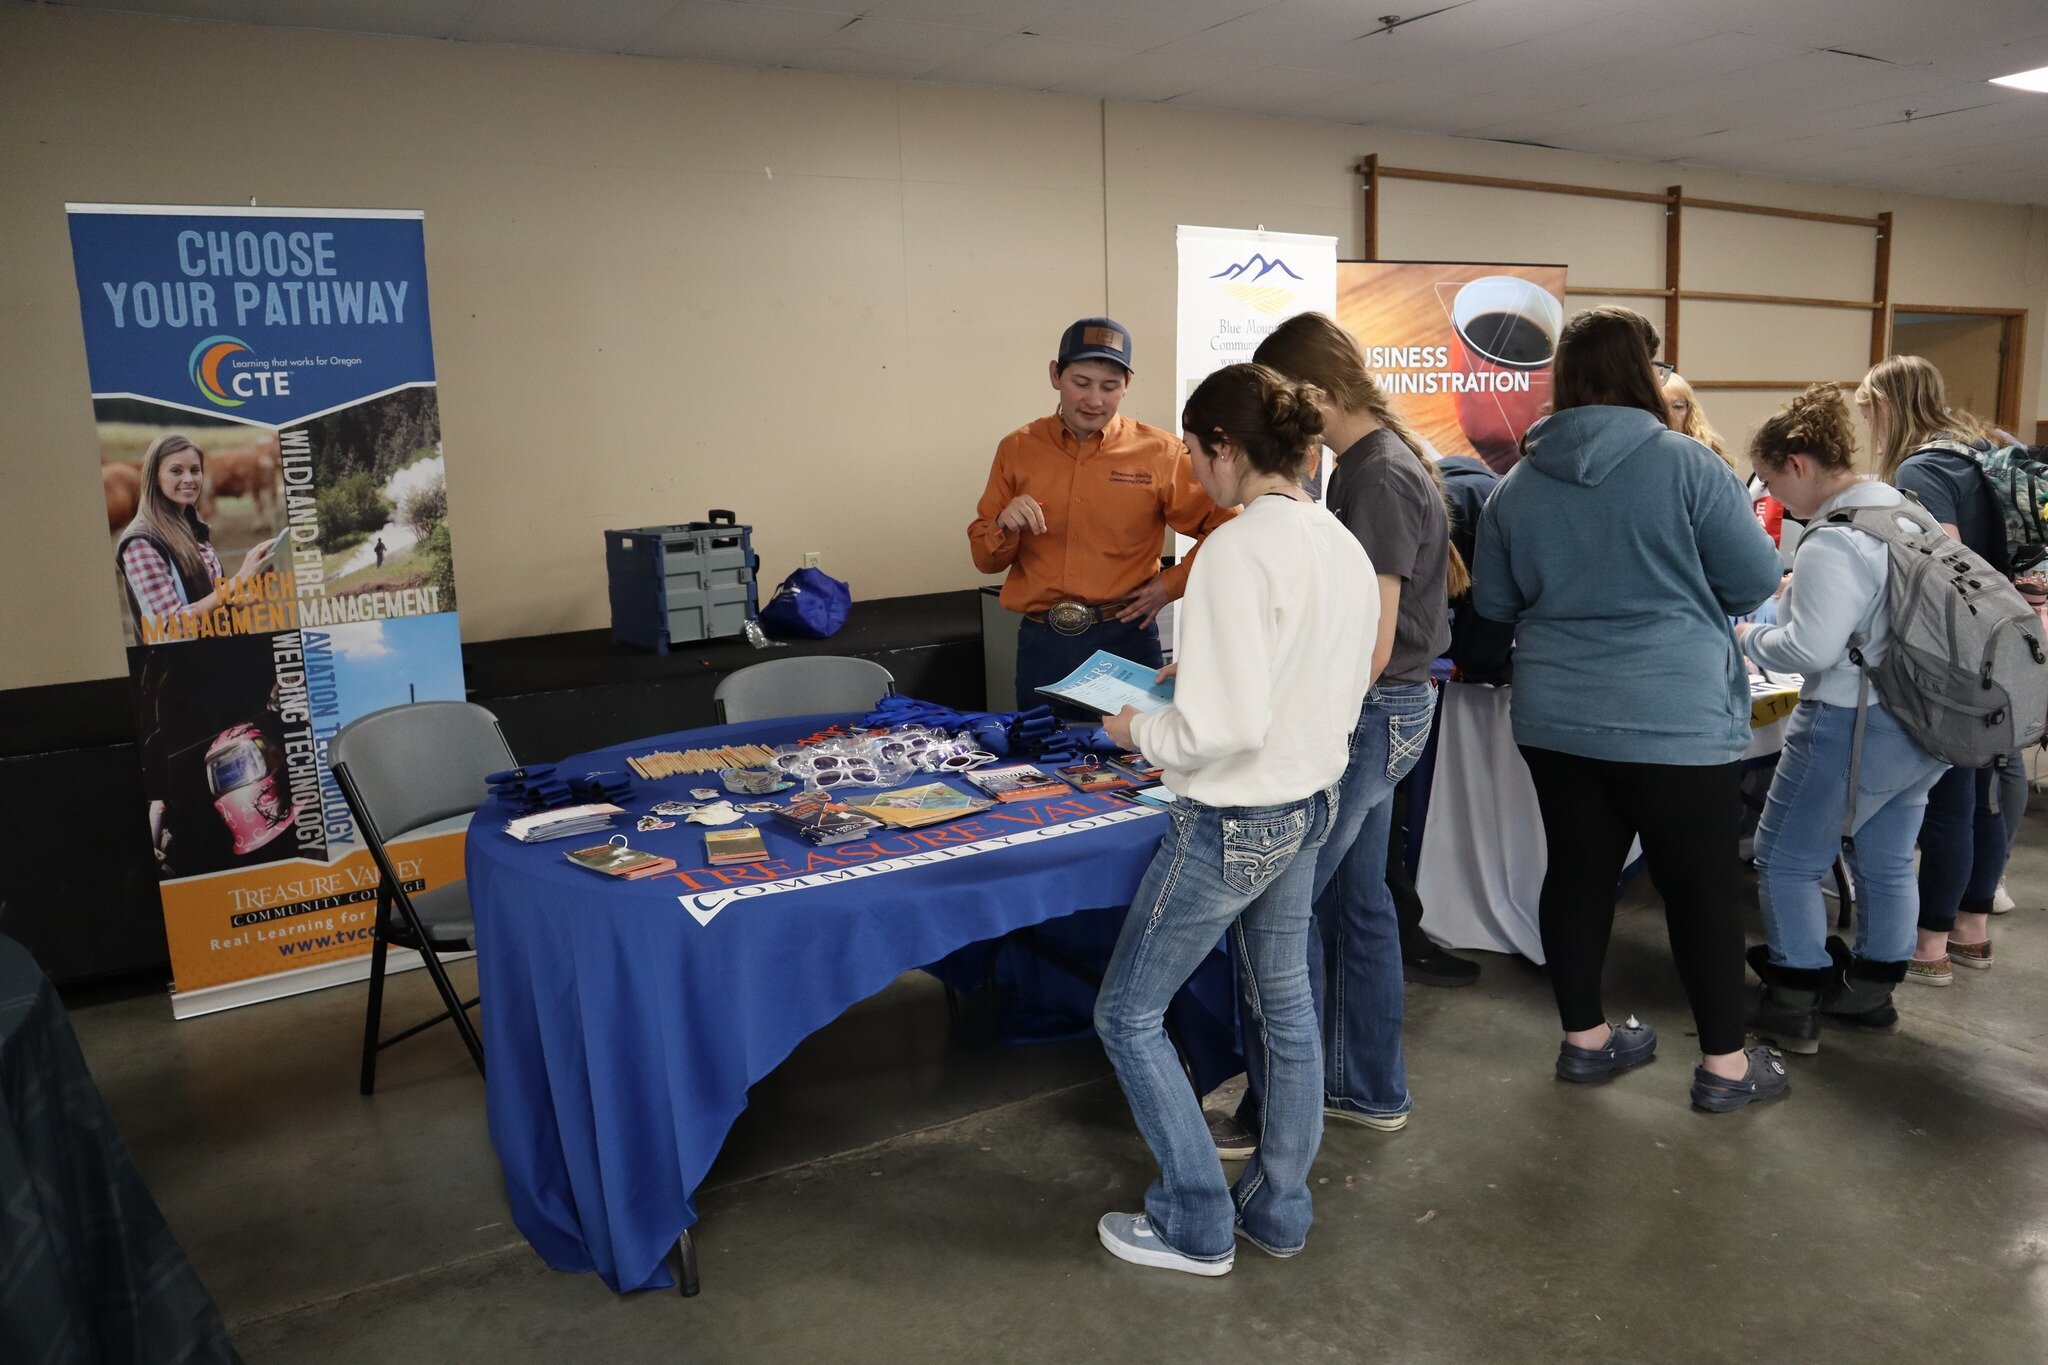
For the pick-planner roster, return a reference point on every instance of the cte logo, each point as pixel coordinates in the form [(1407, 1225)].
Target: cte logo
[(208, 357)]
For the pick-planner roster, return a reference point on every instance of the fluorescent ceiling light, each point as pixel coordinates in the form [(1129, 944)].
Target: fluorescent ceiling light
[(2035, 80)]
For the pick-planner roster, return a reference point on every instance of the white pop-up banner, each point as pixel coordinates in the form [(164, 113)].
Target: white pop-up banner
[(1236, 286)]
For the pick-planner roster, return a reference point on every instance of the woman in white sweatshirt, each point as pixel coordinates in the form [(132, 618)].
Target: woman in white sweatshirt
[(1834, 612), (1276, 639)]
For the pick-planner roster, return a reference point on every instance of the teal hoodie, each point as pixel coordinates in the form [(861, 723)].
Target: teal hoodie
[(1619, 549)]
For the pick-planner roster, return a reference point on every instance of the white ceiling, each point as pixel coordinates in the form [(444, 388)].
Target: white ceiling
[(1900, 102)]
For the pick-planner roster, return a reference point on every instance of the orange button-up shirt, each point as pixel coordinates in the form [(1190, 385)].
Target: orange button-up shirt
[(1107, 501)]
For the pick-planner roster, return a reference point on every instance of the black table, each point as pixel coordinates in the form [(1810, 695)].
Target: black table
[(89, 1271)]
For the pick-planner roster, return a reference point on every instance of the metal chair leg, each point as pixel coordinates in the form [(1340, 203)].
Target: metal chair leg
[(373, 1014), (686, 1271), (448, 993)]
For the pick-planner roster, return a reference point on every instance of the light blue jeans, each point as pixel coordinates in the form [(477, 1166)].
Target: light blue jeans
[(1355, 956), (1800, 834), (1240, 870)]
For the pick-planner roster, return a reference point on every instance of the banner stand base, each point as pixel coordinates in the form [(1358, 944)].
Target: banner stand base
[(235, 994)]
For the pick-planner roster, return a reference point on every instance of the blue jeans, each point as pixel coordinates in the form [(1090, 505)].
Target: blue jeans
[(1358, 999), (1354, 960), (1800, 834), (1241, 870), (1963, 846)]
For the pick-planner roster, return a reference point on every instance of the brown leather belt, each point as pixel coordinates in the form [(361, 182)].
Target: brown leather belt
[(1075, 618)]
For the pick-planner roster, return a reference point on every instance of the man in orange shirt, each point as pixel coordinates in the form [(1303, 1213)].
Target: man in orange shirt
[(1076, 512)]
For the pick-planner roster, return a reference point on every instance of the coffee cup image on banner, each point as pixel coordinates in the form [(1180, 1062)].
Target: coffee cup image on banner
[(230, 767), (1463, 351), (1506, 330)]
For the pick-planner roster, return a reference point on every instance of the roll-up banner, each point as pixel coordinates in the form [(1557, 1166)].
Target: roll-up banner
[(1236, 286), (1463, 350), (270, 450)]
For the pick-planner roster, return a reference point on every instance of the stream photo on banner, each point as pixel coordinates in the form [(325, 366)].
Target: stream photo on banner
[(269, 433)]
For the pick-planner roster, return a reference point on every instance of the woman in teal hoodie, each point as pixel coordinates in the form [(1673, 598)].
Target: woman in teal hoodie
[(1619, 549)]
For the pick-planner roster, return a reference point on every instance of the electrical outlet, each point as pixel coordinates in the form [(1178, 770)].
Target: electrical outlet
[(811, 559)]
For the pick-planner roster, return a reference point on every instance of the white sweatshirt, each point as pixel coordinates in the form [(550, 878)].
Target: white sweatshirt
[(1276, 636)]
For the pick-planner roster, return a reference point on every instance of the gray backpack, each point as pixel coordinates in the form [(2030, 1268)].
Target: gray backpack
[(1967, 670)]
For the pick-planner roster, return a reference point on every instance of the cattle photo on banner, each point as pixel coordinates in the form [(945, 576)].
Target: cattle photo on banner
[(1463, 350), (270, 450)]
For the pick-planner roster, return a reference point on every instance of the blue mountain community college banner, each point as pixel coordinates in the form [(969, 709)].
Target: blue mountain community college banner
[(270, 451)]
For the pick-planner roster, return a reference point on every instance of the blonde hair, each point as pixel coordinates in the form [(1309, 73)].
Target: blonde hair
[(1696, 424), (1916, 410), (1316, 349), (172, 526)]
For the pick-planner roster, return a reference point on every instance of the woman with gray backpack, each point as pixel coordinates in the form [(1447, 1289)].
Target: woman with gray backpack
[(1988, 498), (1835, 612)]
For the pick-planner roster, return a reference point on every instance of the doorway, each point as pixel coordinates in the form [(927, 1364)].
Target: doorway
[(1981, 353)]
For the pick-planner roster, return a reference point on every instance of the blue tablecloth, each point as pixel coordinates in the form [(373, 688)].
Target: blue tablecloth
[(624, 1021)]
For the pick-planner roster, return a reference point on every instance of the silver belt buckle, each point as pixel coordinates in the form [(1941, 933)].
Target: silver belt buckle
[(1070, 618)]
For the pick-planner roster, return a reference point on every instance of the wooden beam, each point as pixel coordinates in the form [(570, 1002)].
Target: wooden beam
[(1369, 172), (1790, 300), (2012, 361), (1534, 186), (1594, 289), (1962, 308), (1881, 290), (1674, 243), (1772, 211), (1761, 385)]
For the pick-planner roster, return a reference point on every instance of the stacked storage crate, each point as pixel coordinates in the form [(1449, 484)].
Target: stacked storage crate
[(674, 584)]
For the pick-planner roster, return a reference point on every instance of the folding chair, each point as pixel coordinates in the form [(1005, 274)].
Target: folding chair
[(802, 686), (400, 770)]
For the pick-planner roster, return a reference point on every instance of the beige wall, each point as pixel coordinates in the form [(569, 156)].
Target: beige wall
[(1964, 349), (659, 287)]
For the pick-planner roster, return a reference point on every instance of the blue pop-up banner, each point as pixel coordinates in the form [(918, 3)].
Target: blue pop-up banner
[(270, 449), (269, 314)]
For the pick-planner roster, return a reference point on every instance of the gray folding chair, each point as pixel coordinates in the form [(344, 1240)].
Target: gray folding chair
[(400, 770), (804, 686)]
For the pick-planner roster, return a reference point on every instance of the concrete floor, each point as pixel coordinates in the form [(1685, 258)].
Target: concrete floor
[(893, 1193)]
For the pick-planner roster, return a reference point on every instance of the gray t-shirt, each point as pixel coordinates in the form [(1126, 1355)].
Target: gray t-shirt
[(1381, 492)]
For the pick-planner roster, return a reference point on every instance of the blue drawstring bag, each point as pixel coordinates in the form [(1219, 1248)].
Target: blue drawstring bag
[(810, 603)]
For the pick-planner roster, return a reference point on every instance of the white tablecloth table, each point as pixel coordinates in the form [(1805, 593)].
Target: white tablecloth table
[(1483, 858)]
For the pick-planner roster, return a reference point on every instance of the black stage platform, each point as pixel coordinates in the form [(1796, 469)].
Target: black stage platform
[(77, 878)]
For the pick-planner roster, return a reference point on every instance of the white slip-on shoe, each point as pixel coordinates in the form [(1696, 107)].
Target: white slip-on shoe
[(1129, 1237)]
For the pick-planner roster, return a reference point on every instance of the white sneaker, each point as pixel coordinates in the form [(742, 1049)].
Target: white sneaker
[(2001, 902), (1385, 1123), (1129, 1237)]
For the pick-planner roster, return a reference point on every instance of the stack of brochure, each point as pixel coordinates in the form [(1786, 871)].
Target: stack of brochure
[(824, 822), (1017, 782), (561, 824), (916, 807)]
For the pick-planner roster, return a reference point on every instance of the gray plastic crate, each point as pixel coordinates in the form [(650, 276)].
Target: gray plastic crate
[(674, 584)]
